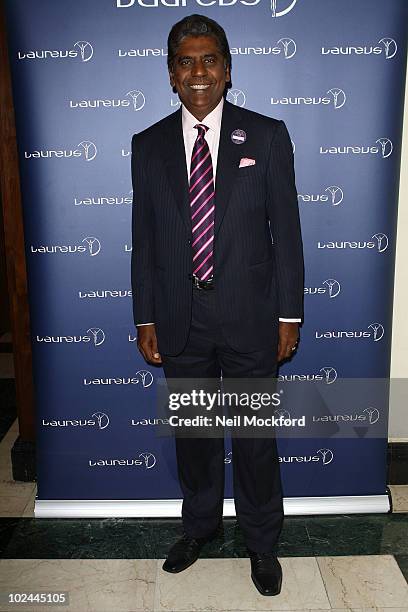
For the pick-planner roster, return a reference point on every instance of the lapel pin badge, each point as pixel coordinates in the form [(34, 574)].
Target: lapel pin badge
[(238, 137)]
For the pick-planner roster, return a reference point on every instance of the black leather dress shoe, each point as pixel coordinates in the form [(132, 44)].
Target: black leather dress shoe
[(266, 573), (186, 551)]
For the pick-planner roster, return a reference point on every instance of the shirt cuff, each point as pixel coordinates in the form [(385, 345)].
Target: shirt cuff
[(290, 320), (280, 319)]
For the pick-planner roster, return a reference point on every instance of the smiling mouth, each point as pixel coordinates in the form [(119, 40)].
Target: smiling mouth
[(199, 87)]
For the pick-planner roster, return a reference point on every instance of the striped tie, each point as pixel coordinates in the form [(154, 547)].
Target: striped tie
[(202, 206)]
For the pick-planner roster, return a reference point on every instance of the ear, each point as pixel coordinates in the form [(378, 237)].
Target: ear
[(171, 77), (227, 74)]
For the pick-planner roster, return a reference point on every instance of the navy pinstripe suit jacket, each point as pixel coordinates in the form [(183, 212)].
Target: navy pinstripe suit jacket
[(258, 259)]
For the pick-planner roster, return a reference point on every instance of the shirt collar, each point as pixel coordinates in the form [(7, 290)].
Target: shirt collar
[(212, 120)]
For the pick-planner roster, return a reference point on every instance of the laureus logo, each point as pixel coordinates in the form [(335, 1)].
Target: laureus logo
[(386, 146), (94, 245), (330, 287), (382, 241), (327, 455), (378, 331), (339, 97), (138, 99), (81, 49), (386, 47), (277, 7), (382, 146), (390, 47), (145, 378), (85, 149), (375, 332), (378, 242), (97, 334), (85, 49), (285, 47), (149, 460), (335, 198), (336, 194), (102, 419), (89, 148), (330, 374), (289, 47), (281, 412), (373, 415), (237, 97), (333, 287)]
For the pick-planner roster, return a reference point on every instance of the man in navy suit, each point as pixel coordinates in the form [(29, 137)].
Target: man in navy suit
[(217, 279)]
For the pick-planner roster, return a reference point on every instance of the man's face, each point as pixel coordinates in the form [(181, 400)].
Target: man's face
[(199, 74)]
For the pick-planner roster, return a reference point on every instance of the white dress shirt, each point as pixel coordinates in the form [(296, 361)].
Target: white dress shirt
[(212, 136), (213, 122)]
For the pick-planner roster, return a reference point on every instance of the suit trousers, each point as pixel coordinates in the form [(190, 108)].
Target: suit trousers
[(201, 461)]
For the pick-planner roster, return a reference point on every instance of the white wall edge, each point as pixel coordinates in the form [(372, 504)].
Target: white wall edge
[(171, 508)]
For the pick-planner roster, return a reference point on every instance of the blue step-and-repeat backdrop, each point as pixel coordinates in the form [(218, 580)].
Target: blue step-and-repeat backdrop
[(89, 74)]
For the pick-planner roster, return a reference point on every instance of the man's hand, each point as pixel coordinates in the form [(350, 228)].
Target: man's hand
[(288, 338), (147, 343)]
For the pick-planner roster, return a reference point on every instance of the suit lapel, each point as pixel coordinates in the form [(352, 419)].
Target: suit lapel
[(229, 155), (175, 161)]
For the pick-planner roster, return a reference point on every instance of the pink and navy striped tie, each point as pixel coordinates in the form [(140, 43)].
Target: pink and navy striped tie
[(202, 206)]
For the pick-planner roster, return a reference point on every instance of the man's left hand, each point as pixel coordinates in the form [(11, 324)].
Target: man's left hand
[(288, 339)]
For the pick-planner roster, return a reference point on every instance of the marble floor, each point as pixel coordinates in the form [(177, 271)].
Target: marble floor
[(309, 583), (337, 563)]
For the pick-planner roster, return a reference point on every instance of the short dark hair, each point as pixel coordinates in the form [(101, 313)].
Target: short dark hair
[(197, 25)]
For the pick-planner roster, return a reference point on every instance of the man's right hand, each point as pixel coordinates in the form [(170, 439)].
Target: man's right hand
[(147, 343)]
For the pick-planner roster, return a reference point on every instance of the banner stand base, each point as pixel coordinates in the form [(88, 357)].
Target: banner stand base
[(171, 508)]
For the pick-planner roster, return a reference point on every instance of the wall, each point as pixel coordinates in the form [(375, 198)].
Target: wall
[(398, 423)]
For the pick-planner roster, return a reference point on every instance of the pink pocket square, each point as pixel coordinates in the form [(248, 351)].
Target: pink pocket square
[(246, 161)]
